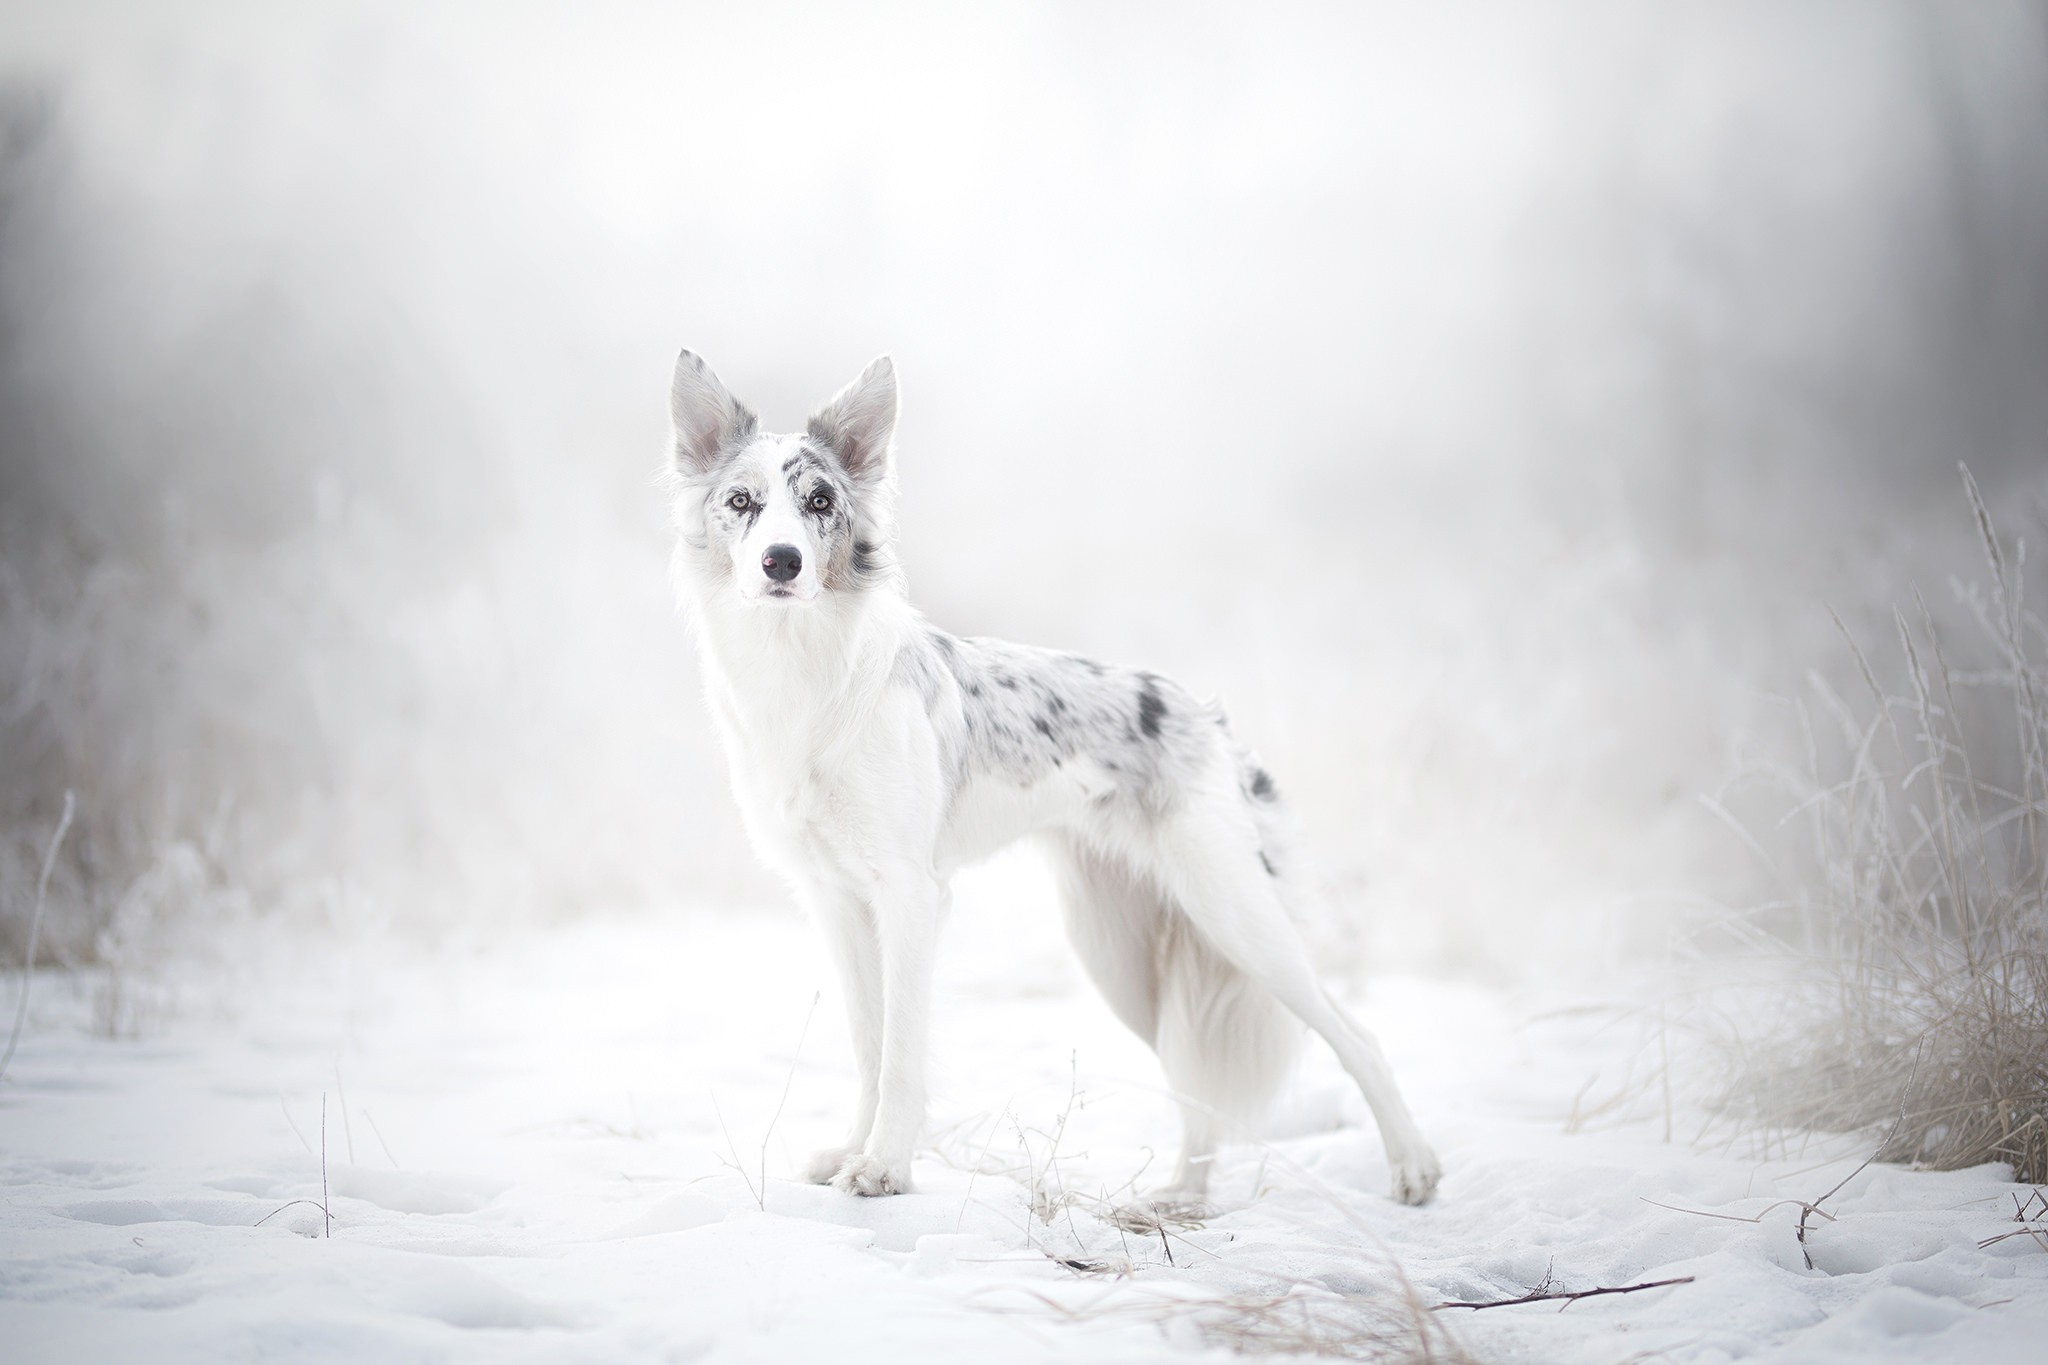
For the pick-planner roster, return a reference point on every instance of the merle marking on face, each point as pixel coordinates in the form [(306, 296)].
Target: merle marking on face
[(826, 493)]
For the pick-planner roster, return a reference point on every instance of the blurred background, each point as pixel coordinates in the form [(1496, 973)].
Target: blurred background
[(1487, 403)]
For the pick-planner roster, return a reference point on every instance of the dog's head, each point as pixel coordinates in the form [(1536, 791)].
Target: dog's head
[(782, 519)]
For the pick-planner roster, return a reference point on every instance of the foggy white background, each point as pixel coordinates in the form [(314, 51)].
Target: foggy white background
[(1486, 403)]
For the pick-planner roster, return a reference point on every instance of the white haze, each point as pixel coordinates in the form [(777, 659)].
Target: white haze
[(1484, 402)]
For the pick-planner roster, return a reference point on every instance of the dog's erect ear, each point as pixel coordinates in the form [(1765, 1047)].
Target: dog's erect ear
[(707, 418), (860, 420)]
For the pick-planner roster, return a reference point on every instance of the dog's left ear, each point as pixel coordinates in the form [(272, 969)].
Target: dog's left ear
[(859, 422)]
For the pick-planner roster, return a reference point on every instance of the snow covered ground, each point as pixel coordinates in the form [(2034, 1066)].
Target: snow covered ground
[(575, 1144)]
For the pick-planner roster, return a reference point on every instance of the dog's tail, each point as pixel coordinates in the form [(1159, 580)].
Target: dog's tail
[(1224, 1042)]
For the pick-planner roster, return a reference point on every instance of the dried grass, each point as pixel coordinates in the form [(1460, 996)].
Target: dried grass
[(1301, 1320), (1151, 1266), (1921, 929)]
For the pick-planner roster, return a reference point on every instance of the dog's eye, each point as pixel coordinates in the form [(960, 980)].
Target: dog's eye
[(739, 502), (821, 502)]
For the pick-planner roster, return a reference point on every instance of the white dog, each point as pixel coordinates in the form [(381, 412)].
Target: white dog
[(873, 754)]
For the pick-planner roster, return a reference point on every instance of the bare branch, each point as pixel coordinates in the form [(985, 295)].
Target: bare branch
[(1571, 1297)]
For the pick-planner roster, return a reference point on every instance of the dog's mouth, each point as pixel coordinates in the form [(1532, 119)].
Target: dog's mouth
[(779, 594)]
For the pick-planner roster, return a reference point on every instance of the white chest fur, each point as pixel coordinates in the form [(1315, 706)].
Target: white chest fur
[(831, 764)]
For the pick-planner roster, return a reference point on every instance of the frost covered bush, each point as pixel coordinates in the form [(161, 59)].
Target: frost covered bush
[(1921, 1003), (323, 733), (319, 619)]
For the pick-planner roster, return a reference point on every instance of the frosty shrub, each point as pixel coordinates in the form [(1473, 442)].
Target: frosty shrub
[(327, 622), (1921, 1006)]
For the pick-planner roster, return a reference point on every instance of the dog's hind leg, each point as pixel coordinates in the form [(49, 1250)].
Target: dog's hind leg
[(1223, 1043), (1211, 859), (848, 929)]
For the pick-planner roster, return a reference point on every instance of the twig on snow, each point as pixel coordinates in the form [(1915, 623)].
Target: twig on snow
[(1807, 1207), (2031, 1222), (796, 1059), (1815, 1206), (759, 1189), (760, 1195), (1534, 1296)]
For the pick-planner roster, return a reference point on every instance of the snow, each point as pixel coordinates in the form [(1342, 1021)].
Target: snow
[(553, 1146)]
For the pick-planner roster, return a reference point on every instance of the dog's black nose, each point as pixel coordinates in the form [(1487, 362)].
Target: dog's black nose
[(782, 562)]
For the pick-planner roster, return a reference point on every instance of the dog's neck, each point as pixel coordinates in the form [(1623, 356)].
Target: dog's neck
[(772, 666)]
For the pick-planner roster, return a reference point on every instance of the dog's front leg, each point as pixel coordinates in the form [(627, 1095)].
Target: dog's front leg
[(848, 928), (908, 906)]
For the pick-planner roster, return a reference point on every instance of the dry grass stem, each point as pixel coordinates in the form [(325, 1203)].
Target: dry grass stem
[(1807, 1208), (371, 1119), (325, 1211), (35, 924), (1175, 1287), (1304, 1319), (2030, 1211), (348, 1132), (1920, 924)]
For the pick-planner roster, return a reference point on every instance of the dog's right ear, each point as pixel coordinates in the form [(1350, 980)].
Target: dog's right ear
[(708, 419)]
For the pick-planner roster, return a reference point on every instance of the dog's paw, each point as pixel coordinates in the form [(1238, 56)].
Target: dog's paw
[(870, 1175), (825, 1164), (1416, 1174)]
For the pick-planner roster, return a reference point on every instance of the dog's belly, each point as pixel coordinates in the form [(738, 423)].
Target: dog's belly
[(990, 812)]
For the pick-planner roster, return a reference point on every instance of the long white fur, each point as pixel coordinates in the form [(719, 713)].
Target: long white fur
[(872, 755)]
